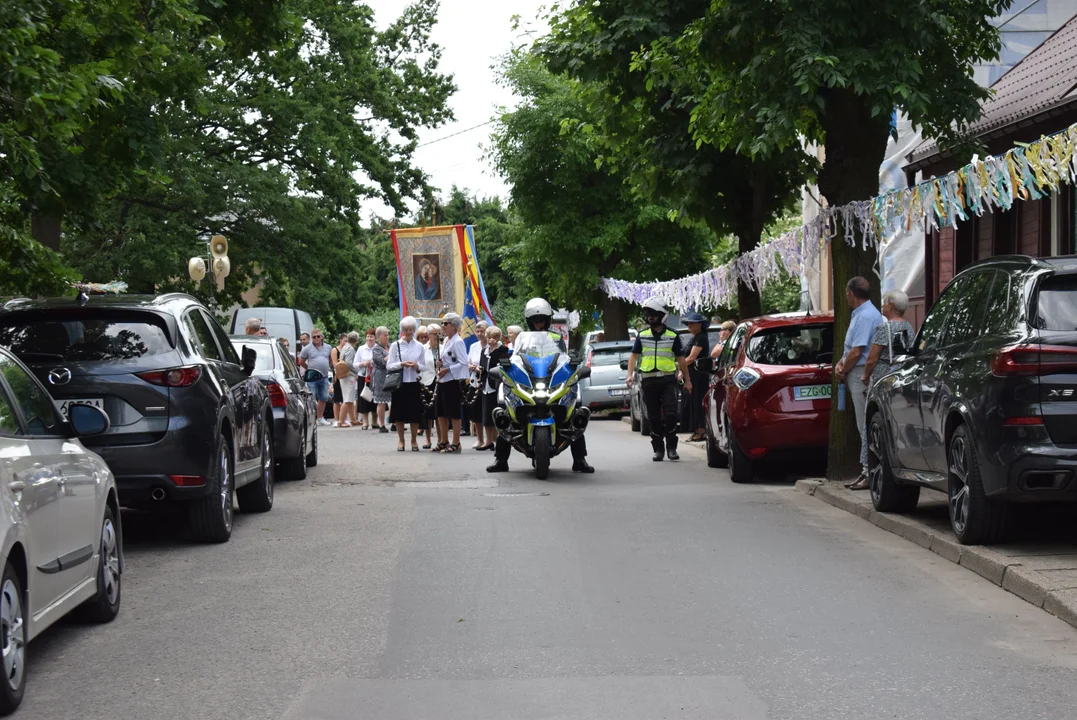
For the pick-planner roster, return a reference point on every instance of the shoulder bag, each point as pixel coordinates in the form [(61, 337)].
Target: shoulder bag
[(393, 378)]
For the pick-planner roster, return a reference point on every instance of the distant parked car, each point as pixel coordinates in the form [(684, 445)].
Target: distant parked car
[(769, 392), (188, 423), (605, 389), (295, 414), (60, 530), (280, 322), (984, 407)]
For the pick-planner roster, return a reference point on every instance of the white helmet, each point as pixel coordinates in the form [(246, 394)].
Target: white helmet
[(538, 309), (654, 306)]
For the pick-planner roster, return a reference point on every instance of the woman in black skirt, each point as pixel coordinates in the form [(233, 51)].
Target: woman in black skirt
[(408, 356), (492, 355), (429, 380), (452, 372)]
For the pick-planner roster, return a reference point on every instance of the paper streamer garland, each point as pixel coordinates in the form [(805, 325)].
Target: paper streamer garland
[(995, 183), (91, 288)]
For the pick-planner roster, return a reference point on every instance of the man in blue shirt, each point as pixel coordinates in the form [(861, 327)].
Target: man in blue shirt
[(866, 318)]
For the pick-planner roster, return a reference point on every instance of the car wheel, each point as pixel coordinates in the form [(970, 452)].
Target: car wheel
[(211, 517), (741, 467), (635, 417), (715, 457), (886, 494), (975, 519), (258, 496), (13, 637), (296, 468), (105, 605), (312, 456)]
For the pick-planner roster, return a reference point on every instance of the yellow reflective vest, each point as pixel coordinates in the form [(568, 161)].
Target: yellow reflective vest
[(657, 357)]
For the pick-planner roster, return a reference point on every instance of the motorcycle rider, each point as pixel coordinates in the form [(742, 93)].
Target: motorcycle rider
[(538, 314), (659, 353)]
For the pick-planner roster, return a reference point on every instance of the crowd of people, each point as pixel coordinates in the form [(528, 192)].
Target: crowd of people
[(426, 383)]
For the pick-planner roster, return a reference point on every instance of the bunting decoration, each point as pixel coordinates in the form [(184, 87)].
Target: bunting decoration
[(1027, 172), (115, 287)]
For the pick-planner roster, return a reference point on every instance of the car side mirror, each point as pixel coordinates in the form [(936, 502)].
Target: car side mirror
[(705, 365), (312, 375), (624, 365), (249, 359), (87, 421), (584, 372)]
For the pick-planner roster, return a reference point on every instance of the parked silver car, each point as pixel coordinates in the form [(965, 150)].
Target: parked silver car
[(606, 390), (60, 530)]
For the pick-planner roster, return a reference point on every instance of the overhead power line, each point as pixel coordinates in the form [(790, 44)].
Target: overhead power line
[(460, 132)]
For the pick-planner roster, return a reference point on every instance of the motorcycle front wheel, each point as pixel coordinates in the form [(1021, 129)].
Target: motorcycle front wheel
[(540, 439)]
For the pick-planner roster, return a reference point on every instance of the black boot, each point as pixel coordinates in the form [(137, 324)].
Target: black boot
[(671, 448), (498, 466), (581, 466), (659, 449)]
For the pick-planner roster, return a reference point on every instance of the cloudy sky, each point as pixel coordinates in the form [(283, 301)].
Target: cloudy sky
[(472, 34)]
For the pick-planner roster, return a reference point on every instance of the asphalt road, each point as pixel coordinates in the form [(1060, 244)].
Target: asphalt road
[(402, 586)]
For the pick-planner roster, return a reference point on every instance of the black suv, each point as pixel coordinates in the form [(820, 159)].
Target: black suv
[(188, 422), (984, 407)]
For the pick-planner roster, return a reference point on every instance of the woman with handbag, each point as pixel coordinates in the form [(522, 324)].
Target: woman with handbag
[(452, 373), (407, 358), (338, 393), (492, 356), (364, 364), (346, 375), (380, 353)]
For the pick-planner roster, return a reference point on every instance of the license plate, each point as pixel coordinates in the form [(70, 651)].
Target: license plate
[(811, 392), (64, 405), (619, 392)]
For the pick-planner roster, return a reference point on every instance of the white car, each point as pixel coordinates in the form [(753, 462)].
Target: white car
[(60, 530)]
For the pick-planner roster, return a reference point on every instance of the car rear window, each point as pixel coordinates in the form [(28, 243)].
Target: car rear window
[(265, 359), (602, 358), (793, 345), (85, 337), (1056, 306)]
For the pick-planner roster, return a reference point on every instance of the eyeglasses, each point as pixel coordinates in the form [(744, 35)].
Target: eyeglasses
[(318, 337)]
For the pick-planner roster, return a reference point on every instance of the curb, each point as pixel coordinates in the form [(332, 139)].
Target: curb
[(1027, 577)]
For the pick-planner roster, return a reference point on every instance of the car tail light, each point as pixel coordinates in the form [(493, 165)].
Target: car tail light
[(1033, 360), (745, 378), (188, 480), (277, 398), (590, 356), (1023, 421), (176, 377)]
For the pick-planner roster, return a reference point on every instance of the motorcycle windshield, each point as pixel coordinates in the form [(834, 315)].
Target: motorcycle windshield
[(538, 352)]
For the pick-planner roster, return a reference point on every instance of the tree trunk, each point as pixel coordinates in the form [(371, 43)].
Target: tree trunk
[(46, 230), (855, 148), (614, 318)]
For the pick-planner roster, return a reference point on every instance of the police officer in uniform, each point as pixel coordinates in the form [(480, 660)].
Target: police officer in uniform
[(538, 314), (659, 353)]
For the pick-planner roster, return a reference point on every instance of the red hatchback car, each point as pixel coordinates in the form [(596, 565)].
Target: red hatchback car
[(770, 391)]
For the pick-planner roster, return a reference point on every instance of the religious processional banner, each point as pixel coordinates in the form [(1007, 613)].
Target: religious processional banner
[(437, 272)]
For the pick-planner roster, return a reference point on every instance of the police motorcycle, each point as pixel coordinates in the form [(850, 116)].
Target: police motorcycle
[(541, 415)]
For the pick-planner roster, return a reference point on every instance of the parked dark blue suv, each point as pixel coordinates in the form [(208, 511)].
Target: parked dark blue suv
[(984, 407), (188, 422)]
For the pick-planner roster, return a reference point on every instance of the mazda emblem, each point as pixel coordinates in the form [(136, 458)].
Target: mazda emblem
[(59, 376)]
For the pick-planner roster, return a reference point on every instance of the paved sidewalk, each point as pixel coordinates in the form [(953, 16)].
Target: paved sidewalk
[(1041, 570)]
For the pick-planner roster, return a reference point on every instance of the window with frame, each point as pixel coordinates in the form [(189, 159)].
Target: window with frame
[(729, 352), (967, 314), (930, 334), (38, 411), (229, 351), (9, 420), (204, 336)]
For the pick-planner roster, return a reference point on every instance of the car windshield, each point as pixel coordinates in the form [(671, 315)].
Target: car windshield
[(793, 345), (536, 345), (1056, 308), (85, 337), (602, 358)]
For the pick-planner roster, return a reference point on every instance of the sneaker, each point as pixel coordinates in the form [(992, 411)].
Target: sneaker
[(335, 423), (323, 421)]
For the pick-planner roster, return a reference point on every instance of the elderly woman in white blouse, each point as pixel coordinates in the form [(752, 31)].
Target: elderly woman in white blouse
[(408, 356), (452, 372)]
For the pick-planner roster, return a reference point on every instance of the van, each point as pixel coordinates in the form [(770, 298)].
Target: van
[(280, 322)]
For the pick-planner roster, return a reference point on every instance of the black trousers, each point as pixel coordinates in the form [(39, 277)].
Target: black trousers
[(502, 449), (660, 401)]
